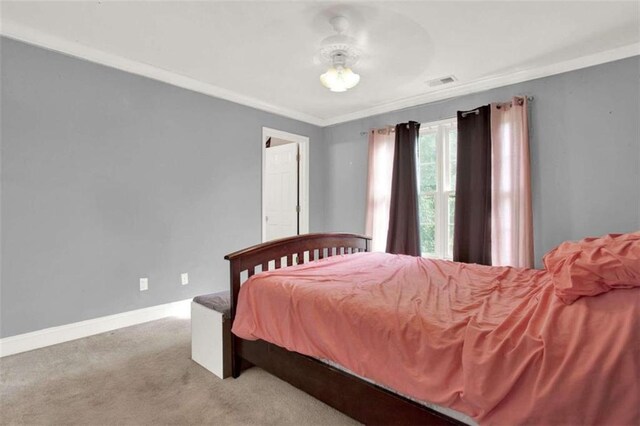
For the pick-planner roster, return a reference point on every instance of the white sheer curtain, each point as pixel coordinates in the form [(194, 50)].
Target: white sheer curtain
[(511, 221), (381, 147)]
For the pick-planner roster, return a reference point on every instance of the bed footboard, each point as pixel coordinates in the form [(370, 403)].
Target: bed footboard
[(286, 252)]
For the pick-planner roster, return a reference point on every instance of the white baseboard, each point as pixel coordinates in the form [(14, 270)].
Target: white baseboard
[(77, 330)]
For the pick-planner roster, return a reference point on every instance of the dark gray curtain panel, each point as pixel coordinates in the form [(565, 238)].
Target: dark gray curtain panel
[(404, 234), (472, 232)]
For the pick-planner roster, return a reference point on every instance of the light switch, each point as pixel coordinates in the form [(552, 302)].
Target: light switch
[(144, 284), (184, 278)]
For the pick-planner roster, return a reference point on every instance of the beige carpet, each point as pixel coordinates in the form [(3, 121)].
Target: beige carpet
[(144, 375)]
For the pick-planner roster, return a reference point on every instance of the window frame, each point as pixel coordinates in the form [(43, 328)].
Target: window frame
[(444, 188)]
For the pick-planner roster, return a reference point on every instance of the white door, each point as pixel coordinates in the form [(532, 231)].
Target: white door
[(281, 191)]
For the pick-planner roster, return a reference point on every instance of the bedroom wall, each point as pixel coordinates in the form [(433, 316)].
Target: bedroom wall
[(585, 153), (108, 177)]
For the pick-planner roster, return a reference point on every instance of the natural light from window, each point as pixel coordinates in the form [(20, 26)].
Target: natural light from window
[(437, 150)]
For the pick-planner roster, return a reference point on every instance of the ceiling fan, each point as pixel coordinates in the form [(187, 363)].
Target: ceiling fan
[(340, 51)]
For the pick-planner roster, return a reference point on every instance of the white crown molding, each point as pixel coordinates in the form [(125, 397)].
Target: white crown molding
[(64, 333), (38, 38), (492, 83), (31, 36)]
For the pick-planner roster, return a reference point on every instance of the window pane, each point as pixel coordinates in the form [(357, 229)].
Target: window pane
[(428, 155), (451, 217), (428, 224), (453, 156)]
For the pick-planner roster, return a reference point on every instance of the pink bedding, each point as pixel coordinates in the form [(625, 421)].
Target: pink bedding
[(492, 342), (594, 265)]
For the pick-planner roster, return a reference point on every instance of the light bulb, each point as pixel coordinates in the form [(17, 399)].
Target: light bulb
[(339, 79)]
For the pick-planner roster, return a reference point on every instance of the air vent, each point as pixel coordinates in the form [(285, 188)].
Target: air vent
[(440, 81)]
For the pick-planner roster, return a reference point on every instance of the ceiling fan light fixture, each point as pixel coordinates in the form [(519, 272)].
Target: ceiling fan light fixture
[(338, 49), (339, 79)]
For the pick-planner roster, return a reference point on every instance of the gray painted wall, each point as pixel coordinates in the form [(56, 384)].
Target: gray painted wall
[(108, 177), (585, 153)]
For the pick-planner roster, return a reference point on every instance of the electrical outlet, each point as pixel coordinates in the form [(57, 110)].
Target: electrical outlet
[(184, 278), (144, 284)]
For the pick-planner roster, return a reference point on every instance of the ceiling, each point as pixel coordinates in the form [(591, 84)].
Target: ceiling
[(265, 54)]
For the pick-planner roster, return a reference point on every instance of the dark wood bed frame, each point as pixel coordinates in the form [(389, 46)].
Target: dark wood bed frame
[(357, 398)]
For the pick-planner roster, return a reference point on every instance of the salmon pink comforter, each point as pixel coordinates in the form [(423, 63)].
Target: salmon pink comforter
[(492, 342)]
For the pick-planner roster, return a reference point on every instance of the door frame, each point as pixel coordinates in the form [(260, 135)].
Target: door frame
[(303, 176)]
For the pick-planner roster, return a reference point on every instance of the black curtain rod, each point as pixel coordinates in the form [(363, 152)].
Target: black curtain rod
[(464, 114), (476, 111)]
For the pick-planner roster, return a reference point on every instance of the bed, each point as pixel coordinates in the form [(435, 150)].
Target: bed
[(361, 332)]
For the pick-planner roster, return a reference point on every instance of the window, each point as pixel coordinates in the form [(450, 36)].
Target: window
[(437, 150)]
